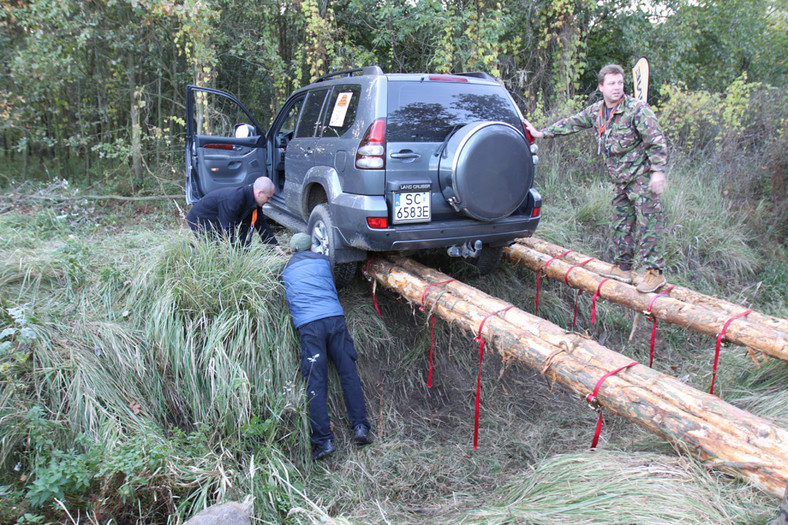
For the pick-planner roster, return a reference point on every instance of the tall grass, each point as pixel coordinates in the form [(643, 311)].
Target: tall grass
[(184, 346)]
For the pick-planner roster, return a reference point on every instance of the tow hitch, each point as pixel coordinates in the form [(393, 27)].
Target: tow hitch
[(468, 249)]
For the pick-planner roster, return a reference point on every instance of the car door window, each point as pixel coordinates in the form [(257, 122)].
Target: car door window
[(341, 110), (310, 116), (216, 115)]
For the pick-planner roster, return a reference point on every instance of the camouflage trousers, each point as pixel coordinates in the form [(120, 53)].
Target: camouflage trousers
[(635, 208)]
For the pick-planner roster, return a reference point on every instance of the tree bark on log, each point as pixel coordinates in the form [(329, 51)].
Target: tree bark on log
[(742, 331), (679, 292), (727, 438)]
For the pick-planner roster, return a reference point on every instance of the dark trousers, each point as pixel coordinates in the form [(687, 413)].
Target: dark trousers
[(321, 340)]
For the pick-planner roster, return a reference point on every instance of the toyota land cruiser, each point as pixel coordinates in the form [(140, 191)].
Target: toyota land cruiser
[(371, 162)]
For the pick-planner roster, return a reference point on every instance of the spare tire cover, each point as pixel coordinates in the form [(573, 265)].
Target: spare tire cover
[(486, 170)]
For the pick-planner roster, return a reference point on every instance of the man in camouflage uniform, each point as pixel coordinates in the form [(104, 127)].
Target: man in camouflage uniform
[(635, 154)]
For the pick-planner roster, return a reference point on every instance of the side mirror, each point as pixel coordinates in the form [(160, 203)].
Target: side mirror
[(243, 131)]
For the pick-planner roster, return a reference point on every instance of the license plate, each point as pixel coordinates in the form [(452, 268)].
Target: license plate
[(412, 207)]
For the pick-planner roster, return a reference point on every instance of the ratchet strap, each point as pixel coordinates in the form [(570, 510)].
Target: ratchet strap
[(652, 317), (432, 333), (594, 298), (593, 402), (479, 340), (539, 278), (579, 291), (720, 337), (374, 286)]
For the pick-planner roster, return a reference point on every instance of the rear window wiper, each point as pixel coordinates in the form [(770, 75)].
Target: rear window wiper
[(449, 135)]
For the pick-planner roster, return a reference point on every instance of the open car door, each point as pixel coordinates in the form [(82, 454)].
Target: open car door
[(225, 146)]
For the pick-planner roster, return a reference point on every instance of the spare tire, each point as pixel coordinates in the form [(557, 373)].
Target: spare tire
[(486, 170)]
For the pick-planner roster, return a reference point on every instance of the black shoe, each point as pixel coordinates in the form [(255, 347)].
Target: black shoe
[(361, 435), (321, 451)]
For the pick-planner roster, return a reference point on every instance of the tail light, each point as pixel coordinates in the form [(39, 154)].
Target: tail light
[(371, 153), (448, 78), (528, 135), (378, 223), (536, 211)]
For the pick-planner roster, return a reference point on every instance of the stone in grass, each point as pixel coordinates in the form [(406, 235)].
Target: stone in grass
[(232, 513)]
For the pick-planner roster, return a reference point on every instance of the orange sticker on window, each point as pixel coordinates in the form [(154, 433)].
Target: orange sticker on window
[(340, 109)]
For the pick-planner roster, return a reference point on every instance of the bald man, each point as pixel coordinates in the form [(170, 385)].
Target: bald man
[(228, 212)]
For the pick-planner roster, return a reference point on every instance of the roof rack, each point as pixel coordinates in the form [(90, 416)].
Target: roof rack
[(478, 74), (368, 70)]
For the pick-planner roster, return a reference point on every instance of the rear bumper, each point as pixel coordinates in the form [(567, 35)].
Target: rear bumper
[(354, 210)]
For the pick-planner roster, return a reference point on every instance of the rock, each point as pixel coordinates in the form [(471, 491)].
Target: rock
[(232, 513)]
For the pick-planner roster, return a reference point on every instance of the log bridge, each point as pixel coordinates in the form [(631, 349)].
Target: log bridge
[(680, 306), (723, 436)]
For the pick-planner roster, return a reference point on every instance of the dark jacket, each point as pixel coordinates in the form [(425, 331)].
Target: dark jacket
[(310, 289), (228, 211)]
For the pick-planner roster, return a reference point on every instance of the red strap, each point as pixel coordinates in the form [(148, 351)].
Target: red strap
[(566, 281), (373, 282), (574, 317), (432, 333), (424, 293), (566, 275), (593, 300), (654, 326), (539, 278), (432, 340), (719, 343), (254, 217), (594, 402), (479, 378)]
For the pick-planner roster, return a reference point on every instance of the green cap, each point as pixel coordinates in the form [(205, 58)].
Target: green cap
[(300, 242)]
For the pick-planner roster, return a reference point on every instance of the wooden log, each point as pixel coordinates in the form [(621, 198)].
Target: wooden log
[(742, 331), (724, 436), (680, 293)]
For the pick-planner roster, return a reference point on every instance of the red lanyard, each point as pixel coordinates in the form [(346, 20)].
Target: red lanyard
[(600, 119)]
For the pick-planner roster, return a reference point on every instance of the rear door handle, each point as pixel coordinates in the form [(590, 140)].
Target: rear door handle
[(405, 155)]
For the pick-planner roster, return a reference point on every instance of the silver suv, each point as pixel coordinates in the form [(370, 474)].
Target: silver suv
[(371, 162)]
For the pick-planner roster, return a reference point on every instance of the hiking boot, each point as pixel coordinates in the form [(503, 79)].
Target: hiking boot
[(618, 273), (361, 435), (323, 450), (652, 281)]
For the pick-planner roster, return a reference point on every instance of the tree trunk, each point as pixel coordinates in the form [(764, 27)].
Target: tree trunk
[(726, 437), (136, 132), (696, 312)]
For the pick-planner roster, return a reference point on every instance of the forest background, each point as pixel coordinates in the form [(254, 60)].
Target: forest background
[(143, 378), (90, 89)]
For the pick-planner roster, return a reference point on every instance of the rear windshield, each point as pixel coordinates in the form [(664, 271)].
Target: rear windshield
[(429, 111)]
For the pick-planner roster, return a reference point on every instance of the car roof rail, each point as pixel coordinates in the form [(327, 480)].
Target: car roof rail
[(367, 70), (478, 74)]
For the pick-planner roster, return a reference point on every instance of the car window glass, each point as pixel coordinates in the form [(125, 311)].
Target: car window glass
[(310, 115), (341, 110), (289, 122), (429, 111), (216, 115)]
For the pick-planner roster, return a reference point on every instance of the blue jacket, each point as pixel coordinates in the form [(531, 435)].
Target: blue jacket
[(310, 289)]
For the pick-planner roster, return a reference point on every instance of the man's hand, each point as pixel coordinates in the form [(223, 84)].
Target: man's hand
[(535, 133), (657, 184), (279, 250)]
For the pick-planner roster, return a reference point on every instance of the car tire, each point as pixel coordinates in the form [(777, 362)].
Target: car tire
[(321, 229), (489, 258)]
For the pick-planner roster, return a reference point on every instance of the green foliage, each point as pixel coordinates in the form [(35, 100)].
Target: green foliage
[(95, 89)]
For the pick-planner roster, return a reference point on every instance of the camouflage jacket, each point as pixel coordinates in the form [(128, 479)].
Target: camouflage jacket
[(633, 143)]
